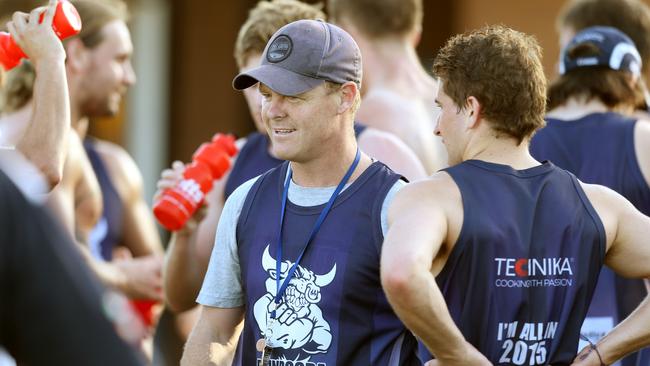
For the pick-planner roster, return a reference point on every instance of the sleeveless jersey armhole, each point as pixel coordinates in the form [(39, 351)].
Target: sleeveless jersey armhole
[(593, 214)]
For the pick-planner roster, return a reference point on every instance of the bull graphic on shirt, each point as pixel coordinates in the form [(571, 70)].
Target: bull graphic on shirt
[(299, 324)]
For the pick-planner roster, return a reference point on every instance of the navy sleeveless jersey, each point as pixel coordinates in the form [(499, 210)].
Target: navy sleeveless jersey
[(108, 231), (254, 159), (522, 273), (599, 148), (338, 313)]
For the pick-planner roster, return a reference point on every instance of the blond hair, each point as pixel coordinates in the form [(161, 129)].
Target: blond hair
[(265, 19)]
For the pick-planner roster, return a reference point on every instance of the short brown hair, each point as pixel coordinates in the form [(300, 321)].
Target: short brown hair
[(95, 14), (631, 17), (612, 87), (502, 69), (265, 19), (378, 18)]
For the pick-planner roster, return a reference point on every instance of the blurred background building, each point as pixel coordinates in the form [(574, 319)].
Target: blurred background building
[(184, 63)]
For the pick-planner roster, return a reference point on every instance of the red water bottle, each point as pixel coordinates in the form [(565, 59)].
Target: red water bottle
[(145, 310), (209, 163), (66, 23)]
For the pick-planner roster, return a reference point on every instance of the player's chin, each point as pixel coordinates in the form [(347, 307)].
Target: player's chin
[(283, 154)]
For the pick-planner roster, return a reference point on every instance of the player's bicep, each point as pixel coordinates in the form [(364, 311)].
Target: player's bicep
[(140, 234), (629, 254), (416, 229)]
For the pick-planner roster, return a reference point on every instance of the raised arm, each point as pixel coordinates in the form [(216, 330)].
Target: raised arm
[(45, 138), (189, 249), (188, 254), (413, 252)]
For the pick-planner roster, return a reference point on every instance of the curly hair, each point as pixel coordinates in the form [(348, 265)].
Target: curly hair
[(502, 69)]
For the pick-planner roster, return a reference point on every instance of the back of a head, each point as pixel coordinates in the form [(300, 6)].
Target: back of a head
[(632, 17), (599, 63), (265, 19), (95, 14), (378, 18), (502, 69), (18, 88)]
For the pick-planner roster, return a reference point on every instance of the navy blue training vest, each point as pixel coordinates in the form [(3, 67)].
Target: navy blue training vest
[(338, 313), (108, 231), (599, 148), (254, 159), (522, 273)]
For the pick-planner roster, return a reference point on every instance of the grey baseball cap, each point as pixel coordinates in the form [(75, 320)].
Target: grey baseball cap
[(302, 55)]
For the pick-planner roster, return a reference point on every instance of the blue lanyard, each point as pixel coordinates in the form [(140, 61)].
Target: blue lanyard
[(282, 288)]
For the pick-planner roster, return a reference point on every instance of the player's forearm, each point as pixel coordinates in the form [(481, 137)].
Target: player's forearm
[(416, 299), (631, 334), (204, 347), (44, 140), (214, 354), (180, 278), (108, 275)]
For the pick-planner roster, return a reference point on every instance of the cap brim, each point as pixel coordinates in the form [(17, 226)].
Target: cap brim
[(281, 81)]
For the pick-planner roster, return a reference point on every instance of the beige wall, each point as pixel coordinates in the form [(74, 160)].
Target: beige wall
[(529, 16)]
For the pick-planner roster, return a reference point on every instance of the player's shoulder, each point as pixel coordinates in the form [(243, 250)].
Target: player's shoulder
[(111, 151), (601, 196), (438, 190), (121, 167), (76, 164), (642, 129)]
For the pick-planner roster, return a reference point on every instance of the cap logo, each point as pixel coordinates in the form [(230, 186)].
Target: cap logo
[(279, 49)]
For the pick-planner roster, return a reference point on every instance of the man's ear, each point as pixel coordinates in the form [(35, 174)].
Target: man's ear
[(77, 55), (348, 93), (473, 110)]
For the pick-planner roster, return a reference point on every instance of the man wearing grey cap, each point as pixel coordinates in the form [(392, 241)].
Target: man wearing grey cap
[(297, 249)]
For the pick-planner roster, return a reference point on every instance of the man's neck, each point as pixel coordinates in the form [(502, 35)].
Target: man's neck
[(501, 150), (328, 169), (390, 61), (81, 127), (79, 121), (576, 108)]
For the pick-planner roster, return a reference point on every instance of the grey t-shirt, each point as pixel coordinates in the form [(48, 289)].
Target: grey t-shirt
[(222, 285)]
